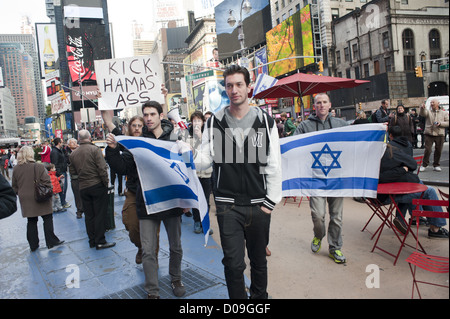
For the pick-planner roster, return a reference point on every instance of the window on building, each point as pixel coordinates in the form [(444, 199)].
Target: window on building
[(408, 50), (408, 39), (388, 64), (355, 51), (334, 13), (346, 54), (434, 39), (385, 37), (338, 57), (366, 70)]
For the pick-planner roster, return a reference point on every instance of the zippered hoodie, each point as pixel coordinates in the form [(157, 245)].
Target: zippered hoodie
[(250, 175), (314, 124)]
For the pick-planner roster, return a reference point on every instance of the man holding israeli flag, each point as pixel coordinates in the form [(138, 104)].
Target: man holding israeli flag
[(327, 166), (168, 188)]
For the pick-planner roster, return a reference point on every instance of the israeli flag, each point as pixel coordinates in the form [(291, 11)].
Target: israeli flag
[(167, 175), (263, 82), (340, 162)]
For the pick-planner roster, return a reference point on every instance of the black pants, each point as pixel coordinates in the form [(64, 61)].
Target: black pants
[(206, 186), (32, 231), (240, 227), (95, 205)]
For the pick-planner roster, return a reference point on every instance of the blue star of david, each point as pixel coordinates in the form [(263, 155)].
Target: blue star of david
[(326, 151)]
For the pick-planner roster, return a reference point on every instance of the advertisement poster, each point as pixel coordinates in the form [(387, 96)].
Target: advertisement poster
[(47, 47)]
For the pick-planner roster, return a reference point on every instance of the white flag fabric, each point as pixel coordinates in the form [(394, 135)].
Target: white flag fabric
[(168, 178), (263, 82), (340, 162)]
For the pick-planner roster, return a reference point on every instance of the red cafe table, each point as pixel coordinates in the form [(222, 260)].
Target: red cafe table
[(392, 190)]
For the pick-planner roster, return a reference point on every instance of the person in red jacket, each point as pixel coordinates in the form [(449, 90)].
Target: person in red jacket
[(57, 207), (45, 154)]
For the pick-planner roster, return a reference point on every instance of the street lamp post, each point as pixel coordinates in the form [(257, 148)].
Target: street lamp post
[(246, 7)]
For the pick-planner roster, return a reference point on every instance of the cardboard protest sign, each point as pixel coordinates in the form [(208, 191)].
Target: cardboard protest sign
[(128, 82)]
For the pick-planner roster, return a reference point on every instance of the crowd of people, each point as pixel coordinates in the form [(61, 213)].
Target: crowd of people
[(245, 191)]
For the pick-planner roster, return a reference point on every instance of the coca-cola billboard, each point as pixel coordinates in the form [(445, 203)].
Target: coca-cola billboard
[(84, 44)]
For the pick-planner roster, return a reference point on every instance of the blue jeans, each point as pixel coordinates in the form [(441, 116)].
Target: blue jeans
[(62, 195), (430, 193)]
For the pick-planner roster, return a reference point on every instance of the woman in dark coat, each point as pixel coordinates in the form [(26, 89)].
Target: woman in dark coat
[(405, 122), (23, 185)]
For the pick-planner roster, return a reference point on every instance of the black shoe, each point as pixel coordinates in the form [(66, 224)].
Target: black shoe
[(178, 288), (400, 226), (104, 246), (152, 297), (441, 233), (55, 244)]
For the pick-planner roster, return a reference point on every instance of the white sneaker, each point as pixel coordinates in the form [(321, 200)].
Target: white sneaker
[(437, 169), (422, 168)]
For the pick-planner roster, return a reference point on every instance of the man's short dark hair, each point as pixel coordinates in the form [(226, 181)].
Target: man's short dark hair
[(233, 69), (56, 141), (154, 104), (395, 131)]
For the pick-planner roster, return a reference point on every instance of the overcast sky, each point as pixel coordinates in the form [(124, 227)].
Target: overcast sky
[(121, 15)]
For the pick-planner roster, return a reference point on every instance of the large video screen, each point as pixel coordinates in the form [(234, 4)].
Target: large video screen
[(293, 37), (255, 25)]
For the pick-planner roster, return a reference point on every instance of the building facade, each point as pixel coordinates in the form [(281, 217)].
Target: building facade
[(8, 119), (18, 74), (383, 41)]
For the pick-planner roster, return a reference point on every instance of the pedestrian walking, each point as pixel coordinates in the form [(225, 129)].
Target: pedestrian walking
[(121, 160), (56, 183), (149, 223), (404, 121), (248, 183), (88, 163), (24, 175), (72, 146), (194, 140), (58, 158), (436, 120), (45, 154), (323, 120)]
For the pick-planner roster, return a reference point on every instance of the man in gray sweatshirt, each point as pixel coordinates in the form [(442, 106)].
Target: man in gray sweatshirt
[(323, 120)]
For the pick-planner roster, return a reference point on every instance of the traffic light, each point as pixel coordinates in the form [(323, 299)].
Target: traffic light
[(360, 105), (320, 63), (62, 94), (418, 70)]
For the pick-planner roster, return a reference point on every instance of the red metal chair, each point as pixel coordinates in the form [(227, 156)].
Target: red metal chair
[(376, 206), (295, 200), (435, 264), (419, 161), (444, 196)]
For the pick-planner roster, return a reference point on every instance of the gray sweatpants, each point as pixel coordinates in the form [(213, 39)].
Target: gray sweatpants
[(318, 207)]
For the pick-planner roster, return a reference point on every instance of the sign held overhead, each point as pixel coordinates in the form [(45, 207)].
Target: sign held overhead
[(128, 82)]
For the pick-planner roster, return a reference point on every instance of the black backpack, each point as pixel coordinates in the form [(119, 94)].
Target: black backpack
[(373, 118)]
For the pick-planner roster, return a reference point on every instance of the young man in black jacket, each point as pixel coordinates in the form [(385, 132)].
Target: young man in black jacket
[(242, 144), (157, 127)]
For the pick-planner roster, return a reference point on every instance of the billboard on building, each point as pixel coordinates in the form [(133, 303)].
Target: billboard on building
[(166, 10), (255, 25), (205, 8), (47, 47), (293, 37), (91, 9), (85, 44)]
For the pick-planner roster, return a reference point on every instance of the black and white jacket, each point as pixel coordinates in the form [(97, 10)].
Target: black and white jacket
[(248, 175)]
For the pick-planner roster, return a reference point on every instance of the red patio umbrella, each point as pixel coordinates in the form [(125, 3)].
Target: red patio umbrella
[(300, 84)]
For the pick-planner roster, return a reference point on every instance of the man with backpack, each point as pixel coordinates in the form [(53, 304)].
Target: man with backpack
[(382, 114)]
